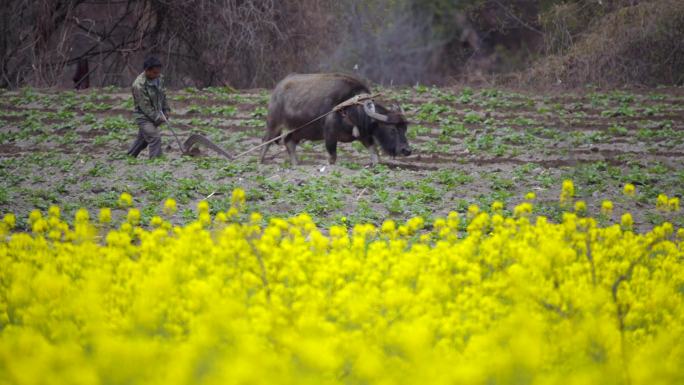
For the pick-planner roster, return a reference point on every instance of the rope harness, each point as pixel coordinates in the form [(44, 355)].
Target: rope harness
[(182, 148)]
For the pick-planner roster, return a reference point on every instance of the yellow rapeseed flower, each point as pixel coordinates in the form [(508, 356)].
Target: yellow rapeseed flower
[(125, 200), (662, 202), (673, 204), (627, 221), (221, 217), (238, 198), (629, 190), (54, 211), (473, 210), (203, 206), (126, 228), (232, 212), (415, 224), (34, 216), (388, 227), (439, 224), (205, 218), (523, 210), (105, 215), (55, 235), (567, 192), (156, 221), (170, 207), (10, 220), (606, 207), (39, 226), (133, 216), (453, 220), (255, 218), (81, 216)]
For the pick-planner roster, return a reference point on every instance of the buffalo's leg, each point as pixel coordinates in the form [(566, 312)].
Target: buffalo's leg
[(291, 146), (375, 159), (264, 149), (372, 149), (270, 135), (331, 146)]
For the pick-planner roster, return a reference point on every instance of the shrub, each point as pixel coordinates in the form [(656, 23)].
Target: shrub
[(634, 44)]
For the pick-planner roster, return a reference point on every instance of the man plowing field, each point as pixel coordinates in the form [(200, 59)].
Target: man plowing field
[(151, 108), (333, 107)]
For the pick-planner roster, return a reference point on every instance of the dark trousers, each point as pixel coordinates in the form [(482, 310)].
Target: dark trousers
[(148, 135)]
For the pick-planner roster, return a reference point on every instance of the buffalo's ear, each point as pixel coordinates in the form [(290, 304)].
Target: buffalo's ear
[(396, 118), (398, 108), (397, 114)]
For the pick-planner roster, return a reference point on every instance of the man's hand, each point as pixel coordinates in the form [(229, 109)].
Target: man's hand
[(163, 118)]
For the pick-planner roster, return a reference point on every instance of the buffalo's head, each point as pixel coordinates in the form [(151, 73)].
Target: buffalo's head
[(388, 128)]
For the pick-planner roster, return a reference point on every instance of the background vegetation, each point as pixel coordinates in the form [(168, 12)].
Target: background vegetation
[(254, 43)]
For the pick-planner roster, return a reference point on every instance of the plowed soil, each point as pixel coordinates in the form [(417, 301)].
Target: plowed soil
[(471, 146)]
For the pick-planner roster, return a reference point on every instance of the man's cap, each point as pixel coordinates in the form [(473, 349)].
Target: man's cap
[(151, 62)]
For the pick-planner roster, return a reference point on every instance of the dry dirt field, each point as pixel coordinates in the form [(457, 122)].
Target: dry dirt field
[(471, 146)]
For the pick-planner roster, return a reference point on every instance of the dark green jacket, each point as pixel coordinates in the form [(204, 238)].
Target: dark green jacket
[(149, 99)]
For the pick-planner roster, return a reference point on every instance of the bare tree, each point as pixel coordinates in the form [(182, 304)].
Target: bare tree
[(34, 40), (244, 43)]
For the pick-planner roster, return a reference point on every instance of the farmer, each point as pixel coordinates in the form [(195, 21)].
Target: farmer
[(151, 108)]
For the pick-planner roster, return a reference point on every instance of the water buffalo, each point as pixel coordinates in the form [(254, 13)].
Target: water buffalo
[(300, 98)]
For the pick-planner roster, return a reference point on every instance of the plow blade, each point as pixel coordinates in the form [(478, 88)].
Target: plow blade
[(201, 140)]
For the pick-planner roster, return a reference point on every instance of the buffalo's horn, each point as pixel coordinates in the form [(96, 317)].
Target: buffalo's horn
[(369, 108)]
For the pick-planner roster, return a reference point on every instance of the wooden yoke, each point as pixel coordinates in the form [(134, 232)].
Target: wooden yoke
[(357, 99)]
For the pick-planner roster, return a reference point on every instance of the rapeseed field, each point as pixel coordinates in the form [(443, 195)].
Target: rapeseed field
[(479, 298)]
